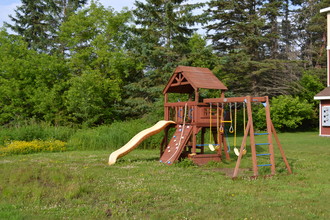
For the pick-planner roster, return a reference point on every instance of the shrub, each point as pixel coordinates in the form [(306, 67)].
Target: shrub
[(309, 85), (287, 113), (27, 147)]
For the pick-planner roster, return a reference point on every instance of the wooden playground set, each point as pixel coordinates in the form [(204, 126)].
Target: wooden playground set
[(194, 117)]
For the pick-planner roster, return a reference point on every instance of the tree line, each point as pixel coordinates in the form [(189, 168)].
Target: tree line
[(69, 63)]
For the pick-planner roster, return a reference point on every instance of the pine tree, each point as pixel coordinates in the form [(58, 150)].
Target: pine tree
[(38, 21), (162, 32), (271, 12), (311, 28), (163, 28), (237, 26), (247, 36)]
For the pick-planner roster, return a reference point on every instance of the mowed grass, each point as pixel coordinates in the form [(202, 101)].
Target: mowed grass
[(80, 185)]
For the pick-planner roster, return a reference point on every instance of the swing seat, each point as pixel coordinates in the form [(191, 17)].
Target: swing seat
[(211, 147), (236, 150)]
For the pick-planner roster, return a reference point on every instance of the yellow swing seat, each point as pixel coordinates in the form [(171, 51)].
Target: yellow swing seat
[(236, 150)]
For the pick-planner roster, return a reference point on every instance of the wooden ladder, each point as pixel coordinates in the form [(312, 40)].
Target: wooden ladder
[(249, 130)]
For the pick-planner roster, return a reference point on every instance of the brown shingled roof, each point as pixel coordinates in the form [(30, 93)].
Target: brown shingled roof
[(324, 92), (187, 79)]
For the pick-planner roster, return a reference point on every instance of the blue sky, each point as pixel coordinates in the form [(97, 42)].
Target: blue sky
[(7, 7)]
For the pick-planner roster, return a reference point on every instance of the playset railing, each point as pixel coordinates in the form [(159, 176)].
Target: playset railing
[(194, 113)]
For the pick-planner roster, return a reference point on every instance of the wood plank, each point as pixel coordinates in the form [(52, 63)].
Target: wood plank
[(270, 138), (179, 84), (281, 149), (235, 99)]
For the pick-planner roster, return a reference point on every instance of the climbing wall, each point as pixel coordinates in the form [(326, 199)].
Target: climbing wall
[(177, 143)]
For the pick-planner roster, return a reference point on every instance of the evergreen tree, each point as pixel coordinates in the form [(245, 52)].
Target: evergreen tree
[(200, 54), (311, 28), (287, 32), (38, 21), (237, 26), (247, 36), (163, 28), (271, 12), (162, 33)]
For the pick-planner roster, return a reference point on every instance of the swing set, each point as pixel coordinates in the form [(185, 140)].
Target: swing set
[(209, 114), (192, 118)]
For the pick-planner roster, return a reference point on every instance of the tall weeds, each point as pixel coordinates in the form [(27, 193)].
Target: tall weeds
[(35, 131), (113, 136), (106, 137)]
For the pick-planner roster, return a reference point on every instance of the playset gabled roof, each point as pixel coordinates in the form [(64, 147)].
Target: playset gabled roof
[(187, 79)]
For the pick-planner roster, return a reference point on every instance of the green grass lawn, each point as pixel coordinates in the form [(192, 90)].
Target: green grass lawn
[(80, 185)]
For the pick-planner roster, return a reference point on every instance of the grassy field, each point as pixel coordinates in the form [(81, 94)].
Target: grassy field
[(80, 185)]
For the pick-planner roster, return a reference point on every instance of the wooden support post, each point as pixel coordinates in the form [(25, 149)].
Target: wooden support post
[(222, 95), (196, 96), (252, 141), (194, 140), (247, 129), (176, 113), (220, 143), (166, 109), (270, 137), (281, 149), (194, 114)]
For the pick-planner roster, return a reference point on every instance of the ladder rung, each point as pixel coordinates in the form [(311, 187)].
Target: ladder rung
[(263, 154), (263, 144), (261, 133), (264, 165)]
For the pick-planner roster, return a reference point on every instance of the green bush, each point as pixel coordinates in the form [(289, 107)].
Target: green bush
[(288, 113), (309, 85)]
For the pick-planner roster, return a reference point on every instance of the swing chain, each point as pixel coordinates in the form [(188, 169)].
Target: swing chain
[(218, 119), (231, 129), (244, 117), (235, 124), (210, 138), (221, 126)]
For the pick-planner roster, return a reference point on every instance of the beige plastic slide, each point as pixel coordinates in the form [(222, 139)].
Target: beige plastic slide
[(137, 139)]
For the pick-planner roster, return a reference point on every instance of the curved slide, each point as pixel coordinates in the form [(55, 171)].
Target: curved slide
[(137, 139)]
